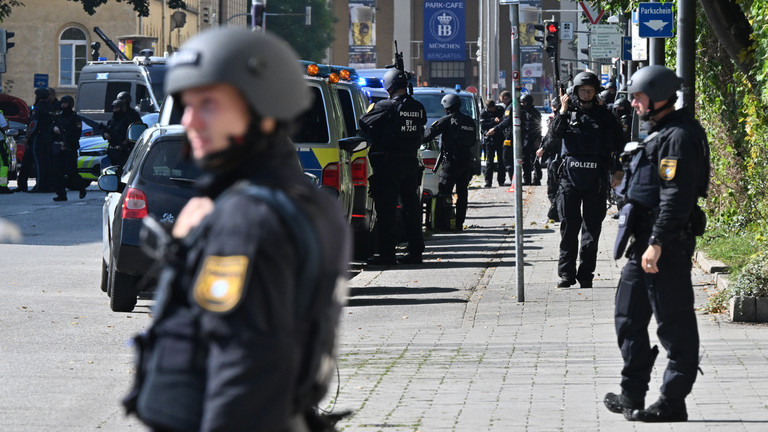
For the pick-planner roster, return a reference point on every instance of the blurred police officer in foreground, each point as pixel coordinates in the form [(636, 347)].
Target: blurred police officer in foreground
[(668, 173), (248, 302), (494, 145), (66, 131), (531, 133), (589, 138), (458, 134), (395, 127)]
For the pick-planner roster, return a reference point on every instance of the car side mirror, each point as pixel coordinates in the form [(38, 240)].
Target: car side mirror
[(351, 144), (109, 182), (135, 130), (145, 105), (12, 132)]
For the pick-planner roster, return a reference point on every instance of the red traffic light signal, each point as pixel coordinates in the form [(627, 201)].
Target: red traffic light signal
[(551, 27)]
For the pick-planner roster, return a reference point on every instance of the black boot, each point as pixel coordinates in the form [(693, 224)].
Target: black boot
[(623, 404), (566, 282), (60, 197), (663, 410)]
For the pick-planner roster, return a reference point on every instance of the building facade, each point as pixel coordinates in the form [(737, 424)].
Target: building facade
[(53, 37)]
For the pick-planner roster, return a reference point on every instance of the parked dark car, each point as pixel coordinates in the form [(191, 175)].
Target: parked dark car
[(156, 181)]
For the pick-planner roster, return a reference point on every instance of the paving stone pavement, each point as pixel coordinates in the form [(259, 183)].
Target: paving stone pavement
[(447, 346)]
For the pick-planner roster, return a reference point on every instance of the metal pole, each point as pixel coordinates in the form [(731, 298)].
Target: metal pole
[(686, 51), (514, 18)]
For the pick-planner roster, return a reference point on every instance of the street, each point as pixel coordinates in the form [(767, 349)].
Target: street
[(443, 346)]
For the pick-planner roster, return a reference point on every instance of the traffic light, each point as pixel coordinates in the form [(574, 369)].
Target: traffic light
[(206, 14), (257, 13), (5, 44), (551, 38)]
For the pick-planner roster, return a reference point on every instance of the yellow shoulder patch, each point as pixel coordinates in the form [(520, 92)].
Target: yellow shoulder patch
[(434, 124), (370, 107), (667, 169), (508, 112), (219, 285)]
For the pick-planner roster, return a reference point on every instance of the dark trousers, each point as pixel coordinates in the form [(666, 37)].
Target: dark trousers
[(530, 166), (494, 162), (27, 167), (581, 210), (43, 153), (458, 175), (509, 160), (65, 173), (668, 296), (394, 178)]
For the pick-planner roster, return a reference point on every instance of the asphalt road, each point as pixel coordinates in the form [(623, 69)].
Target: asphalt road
[(65, 357)]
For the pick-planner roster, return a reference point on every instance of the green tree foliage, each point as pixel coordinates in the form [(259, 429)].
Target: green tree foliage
[(6, 6), (310, 42), (140, 6)]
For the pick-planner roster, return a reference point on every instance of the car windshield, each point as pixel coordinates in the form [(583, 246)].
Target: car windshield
[(434, 109), (164, 164), (99, 95)]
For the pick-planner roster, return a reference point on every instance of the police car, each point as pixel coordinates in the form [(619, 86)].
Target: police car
[(155, 181)]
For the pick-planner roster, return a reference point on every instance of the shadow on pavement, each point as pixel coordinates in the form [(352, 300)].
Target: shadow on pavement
[(400, 290), (399, 301)]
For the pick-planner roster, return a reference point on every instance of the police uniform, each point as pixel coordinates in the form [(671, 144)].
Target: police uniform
[(396, 127), (494, 146), (41, 137), (458, 133), (588, 140), (663, 189), (506, 127), (65, 161), (531, 134), (117, 127)]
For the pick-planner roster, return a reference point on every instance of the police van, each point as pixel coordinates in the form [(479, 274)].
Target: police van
[(99, 84)]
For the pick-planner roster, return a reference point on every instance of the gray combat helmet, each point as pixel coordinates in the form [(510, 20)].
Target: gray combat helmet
[(395, 79), (526, 100), (450, 101), (263, 67), (586, 78), (656, 81)]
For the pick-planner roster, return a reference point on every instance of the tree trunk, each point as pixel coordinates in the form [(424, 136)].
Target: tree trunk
[(729, 23)]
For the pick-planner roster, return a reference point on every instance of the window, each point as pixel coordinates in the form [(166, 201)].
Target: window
[(313, 123), (72, 55), (446, 69)]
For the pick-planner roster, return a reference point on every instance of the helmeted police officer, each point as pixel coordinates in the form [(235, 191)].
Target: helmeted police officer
[(493, 145), (590, 139), (530, 126), (505, 128), (130, 112), (248, 303), (395, 127), (67, 129), (117, 134), (458, 133), (667, 174)]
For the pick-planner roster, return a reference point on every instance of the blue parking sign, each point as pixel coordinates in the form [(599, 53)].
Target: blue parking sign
[(626, 53), (655, 20), (41, 80)]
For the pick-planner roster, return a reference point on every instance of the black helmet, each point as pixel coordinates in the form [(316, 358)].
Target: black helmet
[(41, 93), (67, 99), (586, 78), (263, 67), (118, 103), (450, 101), (656, 81), (395, 79), (606, 96), (125, 97), (526, 100)]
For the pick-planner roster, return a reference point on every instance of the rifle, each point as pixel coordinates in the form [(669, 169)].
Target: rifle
[(440, 158), (400, 65)]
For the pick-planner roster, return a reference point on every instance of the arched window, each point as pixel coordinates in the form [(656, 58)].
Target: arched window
[(73, 53)]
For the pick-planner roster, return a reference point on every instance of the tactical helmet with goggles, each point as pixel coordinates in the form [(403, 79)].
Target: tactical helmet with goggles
[(450, 102), (395, 79), (586, 79), (656, 81), (264, 68)]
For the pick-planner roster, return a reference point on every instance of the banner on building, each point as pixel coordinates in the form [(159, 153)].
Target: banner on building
[(362, 34), (444, 31)]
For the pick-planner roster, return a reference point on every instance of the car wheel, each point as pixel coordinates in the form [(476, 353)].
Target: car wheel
[(122, 290), (104, 276)]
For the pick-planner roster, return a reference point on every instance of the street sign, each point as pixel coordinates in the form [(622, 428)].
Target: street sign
[(639, 45), (566, 31), (605, 41), (626, 53), (655, 20), (528, 81), (41, 80), (593, 15), (532, 70)]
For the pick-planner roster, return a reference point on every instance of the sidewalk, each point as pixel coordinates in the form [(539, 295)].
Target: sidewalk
[(446, 346)]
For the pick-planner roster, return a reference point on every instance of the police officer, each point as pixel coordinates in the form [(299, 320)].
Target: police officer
[(40, 136), (550, 153), (67, 129), (590, 139), (669, 172), (133, 115), (458, 133), (117, 134), (247, 307), (531, 134), (505, 128), (494, 145), (395, 127)]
